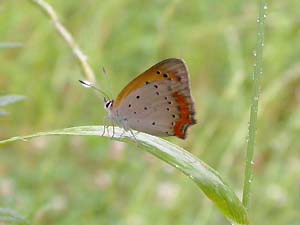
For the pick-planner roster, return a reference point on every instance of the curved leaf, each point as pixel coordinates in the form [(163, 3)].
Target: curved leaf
[(204, 176)]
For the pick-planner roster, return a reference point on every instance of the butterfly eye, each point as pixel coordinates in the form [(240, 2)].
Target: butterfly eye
[(108, 104)]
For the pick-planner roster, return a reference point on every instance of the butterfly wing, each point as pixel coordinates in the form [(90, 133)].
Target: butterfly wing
[(158, 101)]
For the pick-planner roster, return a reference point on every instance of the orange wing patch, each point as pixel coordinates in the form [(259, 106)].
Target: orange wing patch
[(161, 71), (186, 113)]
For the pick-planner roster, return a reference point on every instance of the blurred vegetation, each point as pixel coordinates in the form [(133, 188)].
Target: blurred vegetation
[(8, 99), (67, 180)]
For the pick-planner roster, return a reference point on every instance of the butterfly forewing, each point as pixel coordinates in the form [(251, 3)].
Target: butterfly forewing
[(158, 101)]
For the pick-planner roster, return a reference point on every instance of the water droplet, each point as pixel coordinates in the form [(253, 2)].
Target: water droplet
[(247, 137), (258, 20), (265, 16), (250, 181), (252, 162), (254, 53), (191, 176), (265, 7), (176, 166)]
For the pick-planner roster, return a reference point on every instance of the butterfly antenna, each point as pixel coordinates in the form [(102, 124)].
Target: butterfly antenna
[(87, 84), (107, 80)]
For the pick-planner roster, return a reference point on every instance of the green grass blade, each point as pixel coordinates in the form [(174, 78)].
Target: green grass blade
[(10, 45), (9, 99), (12, 217), (204, 176), (257, 74)]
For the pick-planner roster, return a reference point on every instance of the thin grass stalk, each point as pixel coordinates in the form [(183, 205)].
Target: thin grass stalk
[(257, 74), (80, 56)]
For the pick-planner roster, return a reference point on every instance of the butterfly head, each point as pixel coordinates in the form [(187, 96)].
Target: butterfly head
[(108, 104)]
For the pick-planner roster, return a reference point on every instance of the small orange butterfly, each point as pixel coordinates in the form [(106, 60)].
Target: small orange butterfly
[(157, 102)]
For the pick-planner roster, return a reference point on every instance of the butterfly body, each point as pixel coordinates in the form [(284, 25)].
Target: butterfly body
[(157, 102)]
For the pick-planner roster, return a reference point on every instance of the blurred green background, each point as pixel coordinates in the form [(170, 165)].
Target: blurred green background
[(87, 180)]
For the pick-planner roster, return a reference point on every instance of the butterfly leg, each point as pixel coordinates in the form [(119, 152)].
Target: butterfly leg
[(123, 132), (134, 137), (105, 126), (113, 131), (126, 127)]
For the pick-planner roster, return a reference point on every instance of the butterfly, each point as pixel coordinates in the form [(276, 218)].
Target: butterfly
[(157, 102)]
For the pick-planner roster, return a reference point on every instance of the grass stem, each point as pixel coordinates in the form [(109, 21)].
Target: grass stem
[(258, 71), (82, 58)]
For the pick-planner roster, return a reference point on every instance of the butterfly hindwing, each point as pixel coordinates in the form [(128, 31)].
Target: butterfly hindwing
[(150, 109), (158, 101)]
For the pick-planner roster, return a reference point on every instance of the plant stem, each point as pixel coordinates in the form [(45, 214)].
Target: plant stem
[(258, 71), (82, 58)]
